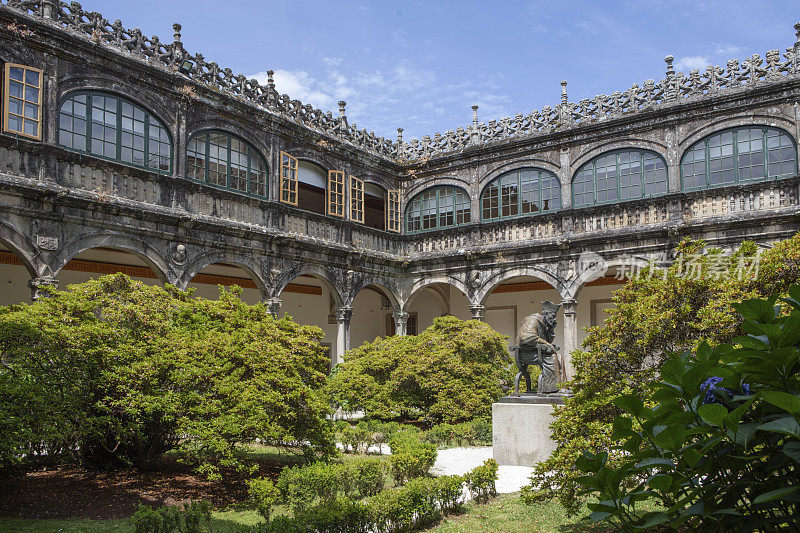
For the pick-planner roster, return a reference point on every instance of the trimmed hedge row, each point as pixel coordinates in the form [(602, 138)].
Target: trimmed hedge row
[(419, 503), (319, 484)]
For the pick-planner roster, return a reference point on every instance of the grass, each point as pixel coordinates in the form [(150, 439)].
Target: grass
[(505, 514), (508, 514)]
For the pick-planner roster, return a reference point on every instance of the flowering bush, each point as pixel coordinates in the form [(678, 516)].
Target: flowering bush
[(720, 450)]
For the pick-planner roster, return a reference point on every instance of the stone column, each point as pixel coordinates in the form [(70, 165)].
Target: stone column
[(274, 306), (570, 306), (478, 311), (400, 323), (37, 286), (343, 315)]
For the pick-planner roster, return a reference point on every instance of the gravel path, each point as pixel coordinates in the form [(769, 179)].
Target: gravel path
[(462, 460)]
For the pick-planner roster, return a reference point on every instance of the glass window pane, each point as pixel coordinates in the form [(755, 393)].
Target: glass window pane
[(15, 73)]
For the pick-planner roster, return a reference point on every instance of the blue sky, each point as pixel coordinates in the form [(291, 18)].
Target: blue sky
[(420, 65)]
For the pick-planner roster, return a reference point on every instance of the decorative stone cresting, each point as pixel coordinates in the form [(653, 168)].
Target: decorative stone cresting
[(676, 87)]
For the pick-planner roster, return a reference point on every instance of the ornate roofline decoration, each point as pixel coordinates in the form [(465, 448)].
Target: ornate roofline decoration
[(674, 88)]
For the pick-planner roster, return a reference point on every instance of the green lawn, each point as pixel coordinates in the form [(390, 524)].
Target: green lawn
[(505, 514)]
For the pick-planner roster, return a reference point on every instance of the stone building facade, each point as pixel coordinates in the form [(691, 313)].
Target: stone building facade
[(119, 152)]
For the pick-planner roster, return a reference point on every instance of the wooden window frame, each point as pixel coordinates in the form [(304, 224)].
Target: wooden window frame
[(334, 194), (592, 164), (288, 164), (253, 158), (356, 199), (704, 142), (393, 210), (7, 97), (149, 119)]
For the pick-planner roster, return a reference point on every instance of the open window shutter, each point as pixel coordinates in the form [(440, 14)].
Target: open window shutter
[(335, 193), (393, 211), (356, 199), (288, 179)]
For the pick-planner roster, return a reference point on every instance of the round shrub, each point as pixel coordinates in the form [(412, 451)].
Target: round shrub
[(451, 372), (264, 494)]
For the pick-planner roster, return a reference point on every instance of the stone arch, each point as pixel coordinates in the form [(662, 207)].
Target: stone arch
[(141, 98), (24, 250), (430, 183), (251, 267), (422, 283), (631, 143), (139, 248), (531, 271), (311, 156), (317, 272), (527, 162), (385, 287), (231, 128), (732, 122), (576, 285)]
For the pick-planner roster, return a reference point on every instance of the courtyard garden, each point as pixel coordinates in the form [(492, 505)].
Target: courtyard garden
[(129, 407)]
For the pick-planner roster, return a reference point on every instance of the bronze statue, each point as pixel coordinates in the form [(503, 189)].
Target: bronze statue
[(535, 347)]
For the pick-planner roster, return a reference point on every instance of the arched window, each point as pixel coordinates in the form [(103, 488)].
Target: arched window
[(748, 153), (112, 127), (618, 176), (437, 207), (521, 192), (221, 159)]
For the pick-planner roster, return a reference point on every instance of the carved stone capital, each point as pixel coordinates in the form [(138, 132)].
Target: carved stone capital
[(570, 306), (274, 306), (343, 313), (478, 311), (39, 287)]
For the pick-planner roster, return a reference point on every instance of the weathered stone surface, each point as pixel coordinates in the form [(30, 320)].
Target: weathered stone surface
[(521, 430)]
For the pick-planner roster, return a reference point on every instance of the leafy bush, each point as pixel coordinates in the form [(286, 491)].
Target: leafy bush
[(369, 476), (411, 458), (412, 506), (470, 433), (302, 487), (653, 316), (131, 368), (451, 372), (264, 494), (720, 451), (448, 493), (193, 517), (337, 516), (480, 480)]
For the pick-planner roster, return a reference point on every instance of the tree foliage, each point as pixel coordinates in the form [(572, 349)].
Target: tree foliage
[(115, 370), (656, 314), (721, 449), (451, 372)]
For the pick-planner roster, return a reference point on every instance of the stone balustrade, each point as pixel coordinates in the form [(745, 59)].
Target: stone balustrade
[(105, 181)]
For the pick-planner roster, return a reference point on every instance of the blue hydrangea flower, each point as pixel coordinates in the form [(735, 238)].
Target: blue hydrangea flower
[(710, 385)]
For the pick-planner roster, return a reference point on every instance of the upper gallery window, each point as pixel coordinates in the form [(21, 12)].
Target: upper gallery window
[(224, 160), (437, 207), (618, 176), (738, 155), (520, 192), (22, 106), (112, 127)]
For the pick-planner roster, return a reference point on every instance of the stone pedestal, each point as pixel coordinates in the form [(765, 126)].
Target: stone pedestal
[(521, 428)]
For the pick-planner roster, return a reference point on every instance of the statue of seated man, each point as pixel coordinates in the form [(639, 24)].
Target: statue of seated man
[(535, 346)]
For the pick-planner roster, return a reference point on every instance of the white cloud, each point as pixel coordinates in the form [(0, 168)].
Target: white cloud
[(300, 85), (691, 62), (726, 49)]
